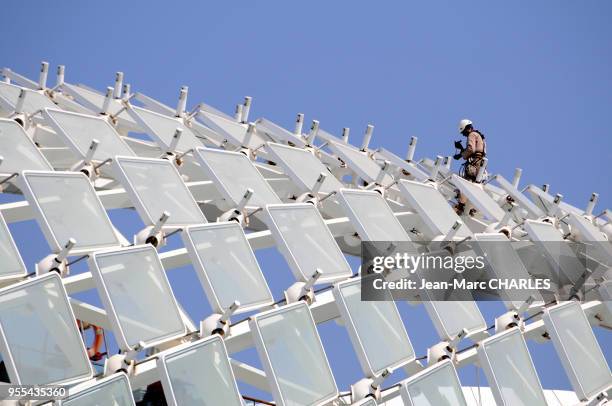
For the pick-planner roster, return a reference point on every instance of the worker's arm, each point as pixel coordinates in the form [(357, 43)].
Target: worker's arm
[(471, 146)]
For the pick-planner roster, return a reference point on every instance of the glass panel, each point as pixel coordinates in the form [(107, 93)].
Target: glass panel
[(479, 198), (576, 343), (374, 217), (200, 374), (164, 128), (33, 102), (303, 168), (10, 260), (81, 130), (455, 316), (300, 228), (509, 364), (41, 332), (94, 101), (379, 328), (436, 386), (227, 265), (159, 188), (136, 287), (18, 151), (409, 167), (113, 392), (278, 133), (233, 131), (432, 207), (235, 173), (532, 209), (358, 161), (295, 354), (71, 209)]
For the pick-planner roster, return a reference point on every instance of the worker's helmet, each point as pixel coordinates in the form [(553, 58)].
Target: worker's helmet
[(464, 123)]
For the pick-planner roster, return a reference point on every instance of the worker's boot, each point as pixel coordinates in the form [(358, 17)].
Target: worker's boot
[(459, 208)]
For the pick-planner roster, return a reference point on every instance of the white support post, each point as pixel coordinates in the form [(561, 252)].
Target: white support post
[(314, 130), (182, 101), (447, 161), (345, 134), (246, 109), (175, 140), (157, 227), (411, 149), (20, 102), (61, 71), (382, 173), (238, 113), (436, 168), (546, 187), (245, 199), (91, 151), (313, 279), (42, 78), (126, 93), (591, 205), (299, 123), (517, 177), (249, 135), (453, 231), (118, 85), (367, 137), (318, 183), (63, 254), (107, 100)]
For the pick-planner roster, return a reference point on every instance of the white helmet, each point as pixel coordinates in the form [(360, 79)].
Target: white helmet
[(464, 123)]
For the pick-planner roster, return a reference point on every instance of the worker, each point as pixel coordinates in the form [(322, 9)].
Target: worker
[(473, 154)]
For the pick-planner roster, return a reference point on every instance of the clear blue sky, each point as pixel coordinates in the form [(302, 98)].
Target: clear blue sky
[(533, 76)]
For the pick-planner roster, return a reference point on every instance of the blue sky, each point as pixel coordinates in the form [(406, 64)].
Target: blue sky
[(533, 76)]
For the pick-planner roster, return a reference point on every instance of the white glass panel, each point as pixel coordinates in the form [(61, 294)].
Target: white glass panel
[(435, 386), (233, 131), (80, 130), (69, 208), (360, 162), (378, 330), (432, 207), (199, 374), (290, 348), (450, 317), (576, 345), (505, 263), (234, 173), (598, 245), (303, 168), (277, 133), (133, 284), (479, 198), (11, 263), (41, 333), (227, 266), (18, 151), (94, 101), (163, 128), (110, 392), (308, 244), (409, 167), (533, 210), (33, 100), (510, 372), (157, 187), (372, 216)]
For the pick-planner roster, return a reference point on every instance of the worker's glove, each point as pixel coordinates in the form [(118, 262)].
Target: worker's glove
[(457, 156), (458, 145)]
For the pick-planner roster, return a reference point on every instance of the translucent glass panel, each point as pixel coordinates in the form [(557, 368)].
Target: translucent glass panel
[(372, 216), (450, 317), (510, 371), (375, 328), (234, 173), (11, 264), (226, 266), (67, 207), (505, 263), (94, 101), (578, 349), (79, 130), (557, 251), (278, 133), (137, 296), (234, 132), (18, 150), (162, 128), (33, 100), (40, 340), (199, 374), (409, 167), (479, 198), (156, 186), (437, 385), (294, 361), (432, 207), (533, 210), (306, 243), (599, 246), (360, 162), (303, 168), (112, 391)]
